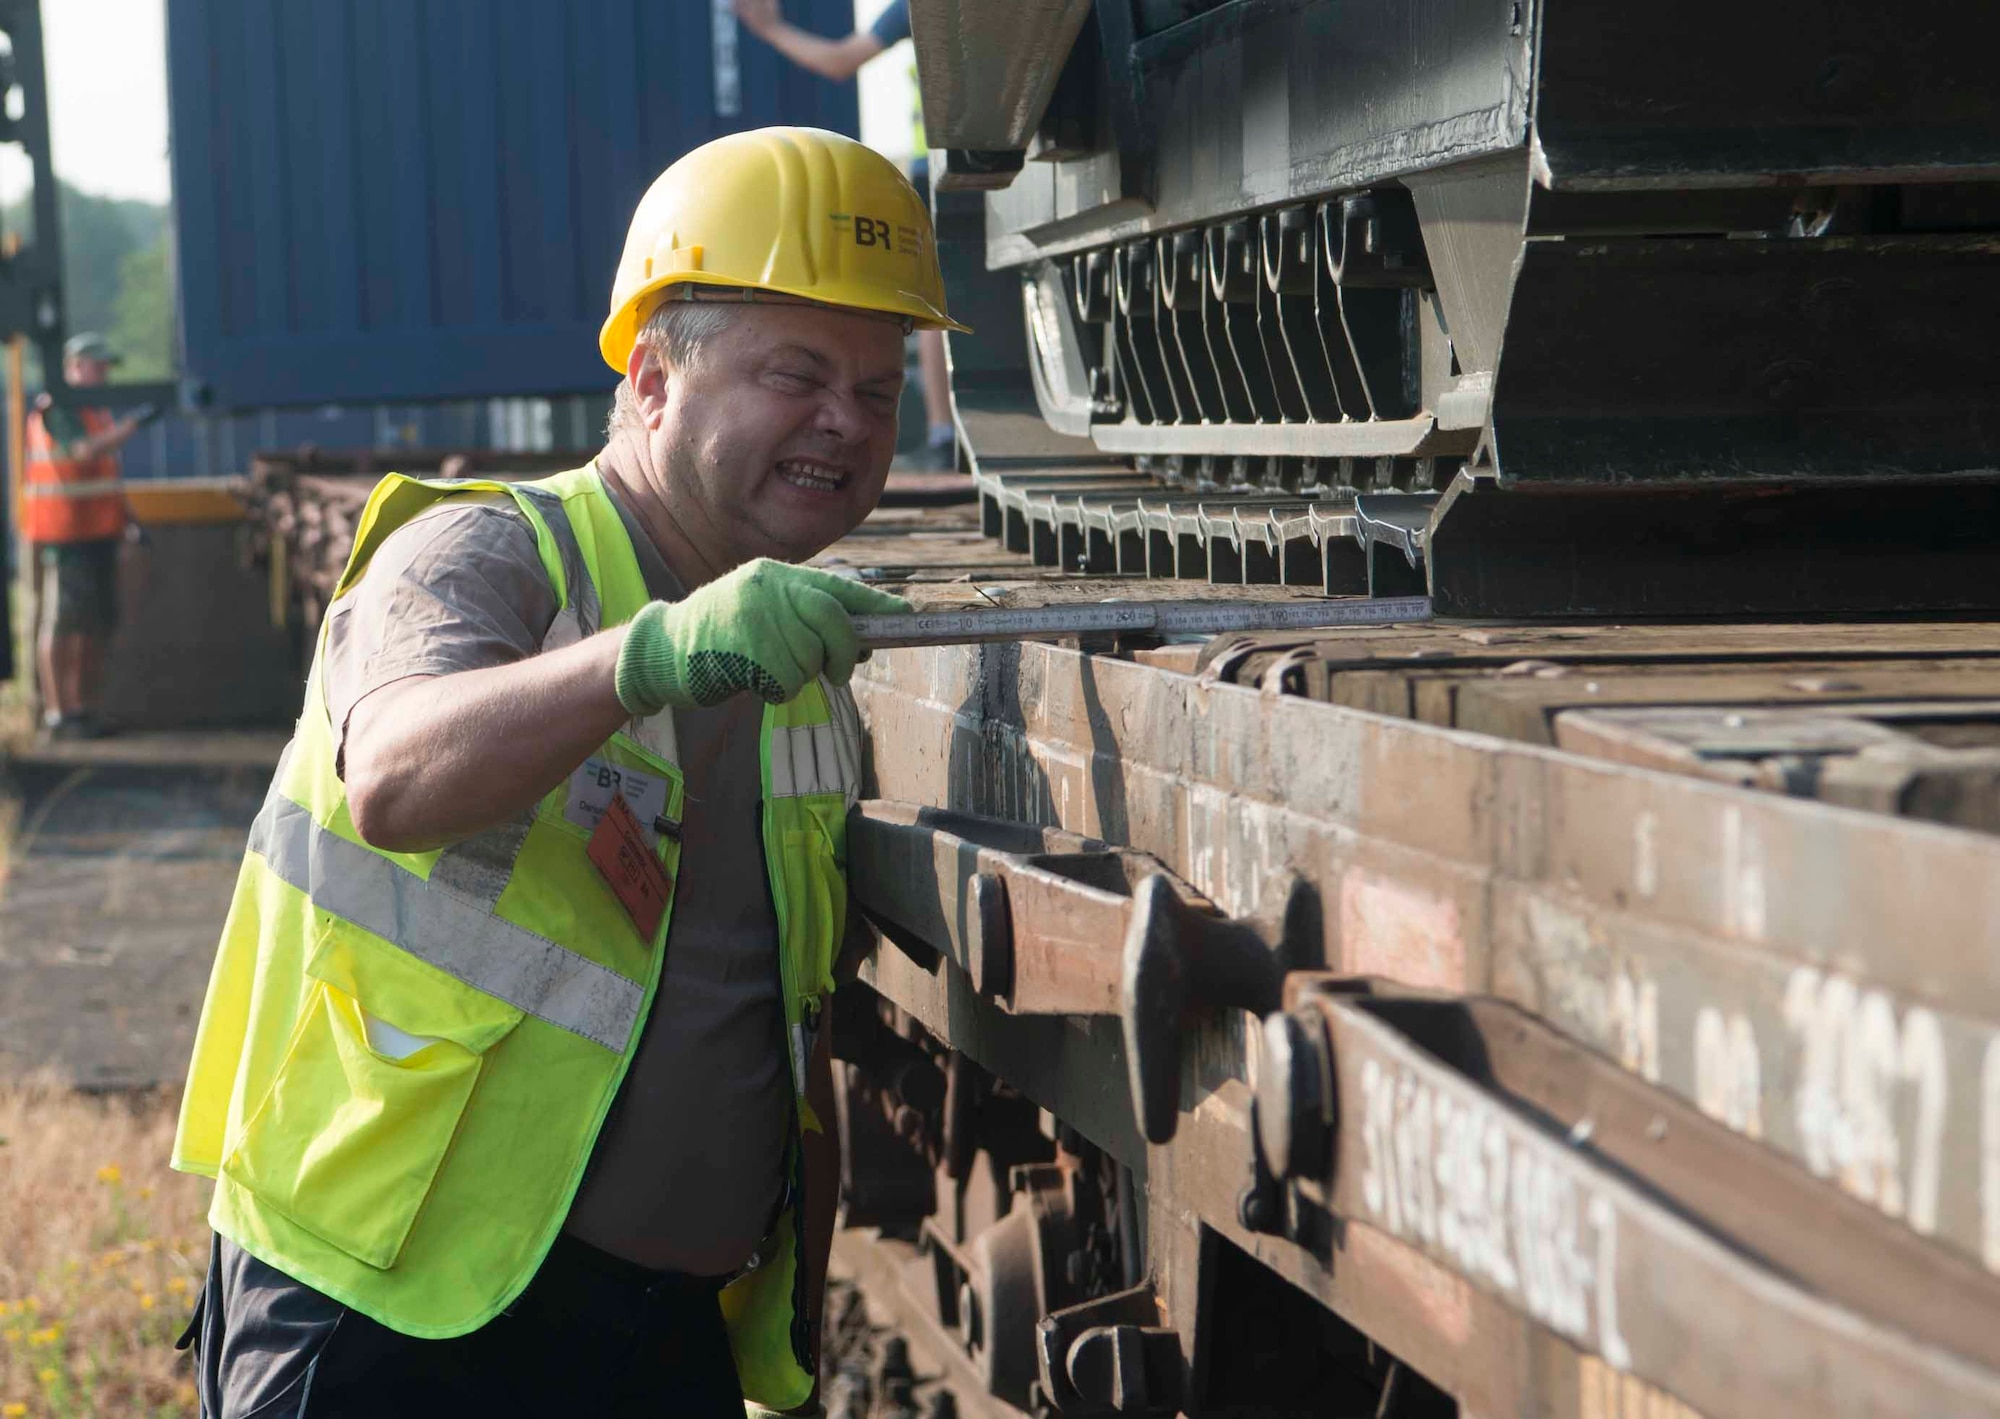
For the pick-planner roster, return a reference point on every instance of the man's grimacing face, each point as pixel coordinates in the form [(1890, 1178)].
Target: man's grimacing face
[(782, 428)]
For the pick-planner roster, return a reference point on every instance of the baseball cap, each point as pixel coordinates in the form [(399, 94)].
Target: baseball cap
[(89, 345)]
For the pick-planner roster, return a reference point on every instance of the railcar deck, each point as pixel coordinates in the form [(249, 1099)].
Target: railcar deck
[(1596, 975)]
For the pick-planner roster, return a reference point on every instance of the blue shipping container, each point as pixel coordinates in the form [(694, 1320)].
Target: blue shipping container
[(425, 199), (221, 444)]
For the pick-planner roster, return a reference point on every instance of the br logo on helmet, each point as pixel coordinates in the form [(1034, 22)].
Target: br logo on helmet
[(876, 232)]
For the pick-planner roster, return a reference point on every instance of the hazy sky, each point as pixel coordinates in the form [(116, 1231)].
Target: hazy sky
[(108, 96), (886, 98)]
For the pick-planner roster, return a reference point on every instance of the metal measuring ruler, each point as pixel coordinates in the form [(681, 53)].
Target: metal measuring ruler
[(1164, 618)]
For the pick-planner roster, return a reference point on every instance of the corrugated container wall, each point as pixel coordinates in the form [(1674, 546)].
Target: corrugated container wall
[(425, 199)]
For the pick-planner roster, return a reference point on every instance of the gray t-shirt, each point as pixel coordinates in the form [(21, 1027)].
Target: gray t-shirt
[(688, 1168)]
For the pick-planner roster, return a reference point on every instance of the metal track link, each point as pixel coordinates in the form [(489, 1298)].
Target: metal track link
[(1116, 523)]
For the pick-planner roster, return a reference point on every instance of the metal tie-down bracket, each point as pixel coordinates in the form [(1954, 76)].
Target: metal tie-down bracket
[(1111, 1355), (1047, 922)]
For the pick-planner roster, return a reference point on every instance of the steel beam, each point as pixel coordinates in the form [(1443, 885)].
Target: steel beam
[(1817, 978)]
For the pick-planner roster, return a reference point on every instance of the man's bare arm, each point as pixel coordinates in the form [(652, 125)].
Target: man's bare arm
[(434, 759), (835, 59), (110, 441)]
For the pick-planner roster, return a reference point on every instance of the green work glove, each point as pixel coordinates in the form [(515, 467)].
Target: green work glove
[(767, 627)]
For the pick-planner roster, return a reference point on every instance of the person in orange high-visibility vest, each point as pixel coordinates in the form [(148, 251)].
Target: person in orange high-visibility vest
[(73, 515)]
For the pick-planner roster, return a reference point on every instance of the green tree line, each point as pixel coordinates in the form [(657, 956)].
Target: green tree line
[(116, 275)]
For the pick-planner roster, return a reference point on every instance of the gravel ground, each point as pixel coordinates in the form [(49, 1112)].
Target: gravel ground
[(114, 880), (866, 1370)]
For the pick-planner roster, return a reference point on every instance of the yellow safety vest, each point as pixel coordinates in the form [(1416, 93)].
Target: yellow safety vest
[(404, 1058)]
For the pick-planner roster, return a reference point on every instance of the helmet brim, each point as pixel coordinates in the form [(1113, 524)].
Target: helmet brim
[(621, 331)]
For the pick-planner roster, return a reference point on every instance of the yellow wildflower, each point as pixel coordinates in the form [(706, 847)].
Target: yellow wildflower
[(138, 1284), (6, 1309), (177, 1285), (50, 1374), (31, 1305), (13, 1409), (145, 1194), (110, 1173), (146, 1301), (48, 1335)]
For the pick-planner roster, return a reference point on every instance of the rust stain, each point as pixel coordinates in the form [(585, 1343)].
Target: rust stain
[(1389, 929), (1443, 1299), (1604, 1393)]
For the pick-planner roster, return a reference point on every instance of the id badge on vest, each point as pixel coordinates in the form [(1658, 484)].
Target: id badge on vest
[(597, 781), (625, 811)]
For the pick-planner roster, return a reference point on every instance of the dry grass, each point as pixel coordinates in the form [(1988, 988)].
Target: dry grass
[(101, 1252)]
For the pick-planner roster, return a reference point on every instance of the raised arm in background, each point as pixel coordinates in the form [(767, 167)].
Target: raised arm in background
[(836, 59)]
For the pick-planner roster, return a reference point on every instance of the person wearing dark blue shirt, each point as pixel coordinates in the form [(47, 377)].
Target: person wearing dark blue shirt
[(840, 60), (835, 59)]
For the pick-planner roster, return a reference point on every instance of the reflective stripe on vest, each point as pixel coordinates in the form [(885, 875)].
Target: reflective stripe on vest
[(432, 923), (806, 760), (65, 499), (447, 920), (95, 488)]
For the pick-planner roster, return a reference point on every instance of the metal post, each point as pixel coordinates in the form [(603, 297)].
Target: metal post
[(17, 467)]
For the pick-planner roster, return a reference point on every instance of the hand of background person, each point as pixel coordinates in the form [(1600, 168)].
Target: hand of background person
[(759, 16), (767, 628), (137, 419)]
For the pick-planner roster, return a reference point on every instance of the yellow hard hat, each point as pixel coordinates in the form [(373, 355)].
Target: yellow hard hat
[(800, 212)]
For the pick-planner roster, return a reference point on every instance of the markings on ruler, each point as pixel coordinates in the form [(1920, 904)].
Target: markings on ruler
[(1160, 617)]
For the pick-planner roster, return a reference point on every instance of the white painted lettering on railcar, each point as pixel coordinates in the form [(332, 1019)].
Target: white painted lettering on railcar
[(1635, 1023), (1728, 1071), (1989, 1155), (1743, 895), (1504, 1209), (1868, 1080), (1646, 855)]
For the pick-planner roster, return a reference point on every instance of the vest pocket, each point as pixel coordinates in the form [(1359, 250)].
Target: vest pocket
[(357, 1121)]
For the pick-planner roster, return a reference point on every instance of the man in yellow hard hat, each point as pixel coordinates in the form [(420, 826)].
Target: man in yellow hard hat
[(508, 1074)]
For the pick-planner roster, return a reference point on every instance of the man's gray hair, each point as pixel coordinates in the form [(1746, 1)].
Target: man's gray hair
[(674, 333)]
